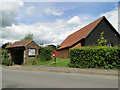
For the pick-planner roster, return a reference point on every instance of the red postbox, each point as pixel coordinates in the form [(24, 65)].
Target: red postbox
[(54, 53)]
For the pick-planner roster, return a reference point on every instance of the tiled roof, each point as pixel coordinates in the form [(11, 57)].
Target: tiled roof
[(20, 43), (78, 35)]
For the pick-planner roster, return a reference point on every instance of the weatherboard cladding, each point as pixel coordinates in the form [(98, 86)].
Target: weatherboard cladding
[(89, 35), (80, 34), (84, 32), (110, 34)]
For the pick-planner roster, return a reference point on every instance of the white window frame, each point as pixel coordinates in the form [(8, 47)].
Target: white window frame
[(31, 51)]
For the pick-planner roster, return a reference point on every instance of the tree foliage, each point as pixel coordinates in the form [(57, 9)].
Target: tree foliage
[(41, 44), (5, 53), (5, 45), (28, 36), (53, 47), (102, 41), (5, 60), (45, 54)]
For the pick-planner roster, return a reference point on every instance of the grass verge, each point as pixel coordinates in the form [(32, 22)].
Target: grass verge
[(61, 62)]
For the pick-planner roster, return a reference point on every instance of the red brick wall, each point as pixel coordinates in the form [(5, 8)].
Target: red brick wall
[(63, 53), (31, 45)]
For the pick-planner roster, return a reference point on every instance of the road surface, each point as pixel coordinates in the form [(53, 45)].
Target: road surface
[(42, 79)]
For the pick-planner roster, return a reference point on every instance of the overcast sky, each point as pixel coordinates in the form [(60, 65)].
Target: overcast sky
[(51, 22)]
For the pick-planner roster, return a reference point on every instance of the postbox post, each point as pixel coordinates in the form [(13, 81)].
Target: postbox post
[(54, 56)]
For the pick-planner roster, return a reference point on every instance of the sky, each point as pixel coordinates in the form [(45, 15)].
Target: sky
[(51, 22)]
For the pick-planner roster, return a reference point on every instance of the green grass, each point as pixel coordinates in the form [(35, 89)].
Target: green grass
[(61, 62), (36, 62)]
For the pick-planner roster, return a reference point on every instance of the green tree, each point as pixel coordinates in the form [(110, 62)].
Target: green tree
[(45, 54), (5, 60), (28, 36), (5, 53), (41, 44), (102, 41), (53, 47)]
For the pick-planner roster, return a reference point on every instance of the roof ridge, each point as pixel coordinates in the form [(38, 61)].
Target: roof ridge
[(89, 24), (79, 34), (20, 43), (100, 19), (28, 42), (10, 45)]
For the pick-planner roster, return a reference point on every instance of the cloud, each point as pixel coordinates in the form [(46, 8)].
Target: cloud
[(52, 32), (30, 10), (119, 17), (74, 21), (112, 17), (8, 12), (47, 33), (55, 12)]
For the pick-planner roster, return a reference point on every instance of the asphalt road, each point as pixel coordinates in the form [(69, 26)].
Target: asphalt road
[(40, 79)]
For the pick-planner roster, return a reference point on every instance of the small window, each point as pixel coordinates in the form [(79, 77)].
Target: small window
[(110, 44), (31, 52)]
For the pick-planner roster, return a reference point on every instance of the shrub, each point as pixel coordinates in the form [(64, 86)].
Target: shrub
[(6, 61), (95, 57), (4, 53), (34, 61), (45, 54), (31, 62), (102, 41)]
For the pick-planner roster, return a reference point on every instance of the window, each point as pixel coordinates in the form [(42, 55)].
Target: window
[(31, 52), (110, 44)]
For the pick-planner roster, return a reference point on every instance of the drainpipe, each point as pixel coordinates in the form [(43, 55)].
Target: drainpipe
[(9, 59)]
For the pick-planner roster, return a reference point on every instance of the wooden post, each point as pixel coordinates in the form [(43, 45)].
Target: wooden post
[(24, 57)]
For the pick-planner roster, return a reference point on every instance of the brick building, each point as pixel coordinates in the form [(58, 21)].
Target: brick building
[(22, 51), (88, 36)]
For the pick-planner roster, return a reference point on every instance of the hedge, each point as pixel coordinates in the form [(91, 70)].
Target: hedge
[(45, 54), (95, 57), (6, 62)]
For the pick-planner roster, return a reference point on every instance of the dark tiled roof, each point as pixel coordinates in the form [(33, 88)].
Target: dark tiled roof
[(20, 43), (78, 35)]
